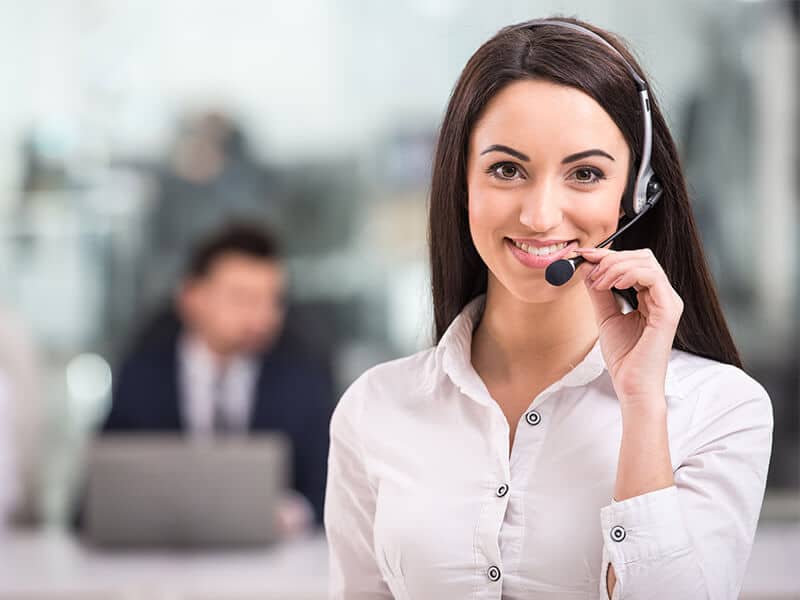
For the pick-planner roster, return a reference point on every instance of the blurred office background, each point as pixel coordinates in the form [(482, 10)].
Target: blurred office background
[(130, 128)]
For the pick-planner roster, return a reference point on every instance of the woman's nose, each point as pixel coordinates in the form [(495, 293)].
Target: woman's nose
[(541, 209)]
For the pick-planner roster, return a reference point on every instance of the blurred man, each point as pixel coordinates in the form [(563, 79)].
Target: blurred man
[(229, 368)]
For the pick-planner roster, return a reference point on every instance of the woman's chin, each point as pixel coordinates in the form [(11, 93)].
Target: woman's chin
[(535, 290)]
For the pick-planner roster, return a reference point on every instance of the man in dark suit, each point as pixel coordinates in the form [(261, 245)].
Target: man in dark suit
[(229, 365)]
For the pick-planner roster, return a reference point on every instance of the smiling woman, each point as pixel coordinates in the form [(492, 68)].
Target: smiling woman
[(591, 440)]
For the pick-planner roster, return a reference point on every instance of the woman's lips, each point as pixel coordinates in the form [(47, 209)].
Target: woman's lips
[(539, 262)]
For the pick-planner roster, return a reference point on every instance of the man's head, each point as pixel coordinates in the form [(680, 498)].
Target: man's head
[(233, 293)]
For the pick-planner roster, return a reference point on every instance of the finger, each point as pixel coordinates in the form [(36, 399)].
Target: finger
[(661, 296), (608, 271), (628, 275), (595, 249), (657, 299), (584, 269), (642, 256), (597, 254), (604, 304), (609, 256), (592, 255)]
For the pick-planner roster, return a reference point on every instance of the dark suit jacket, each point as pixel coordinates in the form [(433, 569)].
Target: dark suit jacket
[(293, 394)]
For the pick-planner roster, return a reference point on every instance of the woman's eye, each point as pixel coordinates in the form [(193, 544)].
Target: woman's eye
[(588, 175), (504, 170)]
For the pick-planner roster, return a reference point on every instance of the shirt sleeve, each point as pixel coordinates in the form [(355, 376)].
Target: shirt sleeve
[(350, 510), (692, 540)]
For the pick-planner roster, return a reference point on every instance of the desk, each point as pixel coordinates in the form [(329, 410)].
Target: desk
[(52, 565), (42, 565)]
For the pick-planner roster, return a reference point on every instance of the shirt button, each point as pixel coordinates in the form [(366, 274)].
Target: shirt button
[(533, 418), (502, 490), (617, 533), (493, 573)]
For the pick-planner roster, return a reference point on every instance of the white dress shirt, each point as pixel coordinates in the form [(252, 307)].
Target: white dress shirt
[(207, 390), (424, 503)]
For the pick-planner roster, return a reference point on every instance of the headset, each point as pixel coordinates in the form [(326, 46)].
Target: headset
[(647, 188)]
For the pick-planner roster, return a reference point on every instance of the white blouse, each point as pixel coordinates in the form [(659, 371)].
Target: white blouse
[(423, 502)]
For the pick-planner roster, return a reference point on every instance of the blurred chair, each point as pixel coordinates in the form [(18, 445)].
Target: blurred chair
[(8, 467), (22, 416)]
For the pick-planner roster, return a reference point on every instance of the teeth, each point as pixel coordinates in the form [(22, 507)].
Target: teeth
[(540, 251)]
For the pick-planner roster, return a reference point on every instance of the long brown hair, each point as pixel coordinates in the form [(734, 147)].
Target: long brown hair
[(567, 57)]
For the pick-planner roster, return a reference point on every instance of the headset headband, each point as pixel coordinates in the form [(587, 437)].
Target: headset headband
[(647, 189)]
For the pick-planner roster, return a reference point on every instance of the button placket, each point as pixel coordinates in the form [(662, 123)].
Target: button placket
[(488, 557)]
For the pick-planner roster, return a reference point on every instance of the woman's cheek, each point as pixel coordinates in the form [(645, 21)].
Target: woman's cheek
[(484, 220), (488, 209), (598, 222)]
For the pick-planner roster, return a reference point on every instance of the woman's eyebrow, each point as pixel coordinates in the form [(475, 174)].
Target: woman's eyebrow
[(507, 150), (522, 156), (584, 154)]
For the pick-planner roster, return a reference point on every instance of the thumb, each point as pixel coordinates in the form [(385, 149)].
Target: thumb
[(605, 305)]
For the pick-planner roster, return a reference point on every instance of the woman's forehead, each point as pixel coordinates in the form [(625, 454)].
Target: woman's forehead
[(536, 116)]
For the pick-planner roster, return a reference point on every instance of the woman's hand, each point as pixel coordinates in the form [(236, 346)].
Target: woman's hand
[(636, 346)]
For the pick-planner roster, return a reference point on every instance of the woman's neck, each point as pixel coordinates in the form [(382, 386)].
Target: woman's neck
[(513, 335)]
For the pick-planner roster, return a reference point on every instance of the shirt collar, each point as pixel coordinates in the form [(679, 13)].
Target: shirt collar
[(199, 360), (453, 355)]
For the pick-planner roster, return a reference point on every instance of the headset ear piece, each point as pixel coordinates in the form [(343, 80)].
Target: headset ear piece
[(653, 188), (652, 192)]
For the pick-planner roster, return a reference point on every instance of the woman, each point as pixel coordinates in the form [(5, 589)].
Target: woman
[(592, 440)]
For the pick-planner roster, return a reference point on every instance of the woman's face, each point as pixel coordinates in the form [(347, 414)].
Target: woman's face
[(546, 171)]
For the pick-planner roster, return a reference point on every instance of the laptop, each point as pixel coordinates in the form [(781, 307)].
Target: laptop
[(175, 490)]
